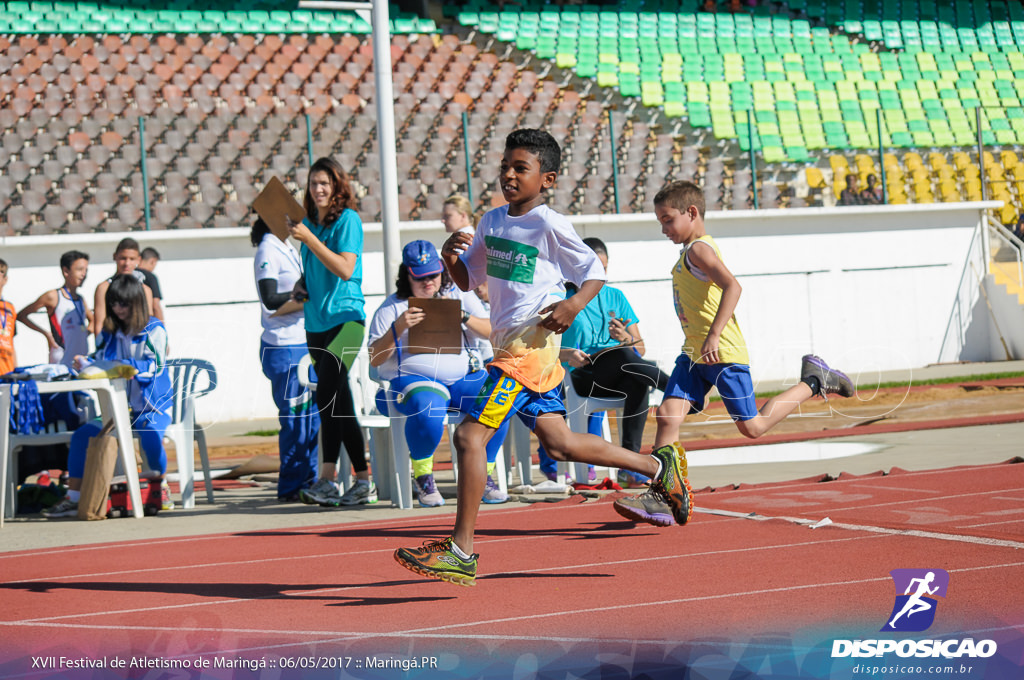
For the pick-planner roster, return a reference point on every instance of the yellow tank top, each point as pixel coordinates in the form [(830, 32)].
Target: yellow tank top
[(697, 299)]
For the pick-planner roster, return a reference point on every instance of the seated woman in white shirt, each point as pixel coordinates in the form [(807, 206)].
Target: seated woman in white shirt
[(426, 386)]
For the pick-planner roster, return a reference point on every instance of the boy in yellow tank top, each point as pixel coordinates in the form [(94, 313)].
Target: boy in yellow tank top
[(715, 353)]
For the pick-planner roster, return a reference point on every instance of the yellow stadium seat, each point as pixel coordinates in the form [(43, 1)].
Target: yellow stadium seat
[(912, 160), (1008, 214), (936, 160), (961, 160), (839, 164), (1008, 158), (815, 178), (948, 191)]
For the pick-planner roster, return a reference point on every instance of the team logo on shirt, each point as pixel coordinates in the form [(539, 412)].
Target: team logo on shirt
[(510, 260)]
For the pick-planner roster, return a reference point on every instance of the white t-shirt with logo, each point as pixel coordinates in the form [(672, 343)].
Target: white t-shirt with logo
[(278, 260), (444, 368), (525, 260)]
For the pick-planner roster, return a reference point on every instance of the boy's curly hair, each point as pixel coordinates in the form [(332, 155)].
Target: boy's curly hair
[(537, 142), (680, 195)]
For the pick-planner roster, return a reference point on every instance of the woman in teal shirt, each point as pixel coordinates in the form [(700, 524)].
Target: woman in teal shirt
[(332, 246)]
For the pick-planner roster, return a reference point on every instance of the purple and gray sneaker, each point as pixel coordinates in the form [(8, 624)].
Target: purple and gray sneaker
[(830, 381)]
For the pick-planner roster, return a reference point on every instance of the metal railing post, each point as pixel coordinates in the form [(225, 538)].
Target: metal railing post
[(145, 172), (469, 162)]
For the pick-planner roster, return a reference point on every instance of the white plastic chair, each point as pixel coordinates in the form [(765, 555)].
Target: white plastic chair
[(183, 431)]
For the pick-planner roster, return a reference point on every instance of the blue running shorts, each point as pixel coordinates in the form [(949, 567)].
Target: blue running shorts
[(501, 395), (692, 382)]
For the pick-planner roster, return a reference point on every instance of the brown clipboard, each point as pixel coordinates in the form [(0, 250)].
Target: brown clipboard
[(274, 204), (440, 332)]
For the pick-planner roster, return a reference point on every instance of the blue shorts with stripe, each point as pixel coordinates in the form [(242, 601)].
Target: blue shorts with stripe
[(503, 395), (692, 382)]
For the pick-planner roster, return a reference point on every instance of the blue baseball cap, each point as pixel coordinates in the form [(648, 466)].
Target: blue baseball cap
[(421, 259)]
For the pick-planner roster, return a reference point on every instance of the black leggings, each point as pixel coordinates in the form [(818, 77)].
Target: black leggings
[(622, 374), (338, 422)]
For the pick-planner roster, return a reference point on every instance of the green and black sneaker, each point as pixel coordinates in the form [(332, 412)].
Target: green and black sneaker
[(436, 559), (672, 485)]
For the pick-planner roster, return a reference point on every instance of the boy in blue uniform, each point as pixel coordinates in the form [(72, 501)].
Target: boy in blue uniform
[(524, 251), (715, 353)]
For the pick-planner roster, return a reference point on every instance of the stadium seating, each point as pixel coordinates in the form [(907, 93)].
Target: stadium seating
[(225, 96)]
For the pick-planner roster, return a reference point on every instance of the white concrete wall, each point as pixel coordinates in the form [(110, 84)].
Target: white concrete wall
[(870, 289)]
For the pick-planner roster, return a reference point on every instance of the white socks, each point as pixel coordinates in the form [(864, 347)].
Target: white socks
[(458, 551), (73, 495)]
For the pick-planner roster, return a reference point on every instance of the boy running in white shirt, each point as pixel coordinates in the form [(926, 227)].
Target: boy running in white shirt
[(524, 251)]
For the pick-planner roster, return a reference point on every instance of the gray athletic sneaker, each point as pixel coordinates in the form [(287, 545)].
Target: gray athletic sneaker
[(669, 500), (66, 508), (361, 493), (830, 380), (324, 492), (645, 507)]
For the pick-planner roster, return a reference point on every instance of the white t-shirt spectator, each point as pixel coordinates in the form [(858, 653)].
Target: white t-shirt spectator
[(277, 259), (444, 368)]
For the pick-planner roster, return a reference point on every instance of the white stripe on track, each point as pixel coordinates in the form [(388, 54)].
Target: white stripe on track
[(803, 521)]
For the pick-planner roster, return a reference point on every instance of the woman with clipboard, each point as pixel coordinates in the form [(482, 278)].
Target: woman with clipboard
[(427, 381), (332, 247)]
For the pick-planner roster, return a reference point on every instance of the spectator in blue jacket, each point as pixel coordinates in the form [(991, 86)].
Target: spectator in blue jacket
[(129, 336)]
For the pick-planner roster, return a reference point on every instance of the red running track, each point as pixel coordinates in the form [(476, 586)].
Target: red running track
[(563, 588)]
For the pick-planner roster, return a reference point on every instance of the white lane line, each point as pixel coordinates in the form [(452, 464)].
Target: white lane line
[(938, 535)]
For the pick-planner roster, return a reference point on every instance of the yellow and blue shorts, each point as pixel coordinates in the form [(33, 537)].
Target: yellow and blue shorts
[(502, 395)]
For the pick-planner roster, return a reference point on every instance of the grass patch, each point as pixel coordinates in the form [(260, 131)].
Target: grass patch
[(262, 433)]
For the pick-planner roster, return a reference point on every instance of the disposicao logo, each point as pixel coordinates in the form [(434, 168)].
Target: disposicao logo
[(914, 611), (915, 606)]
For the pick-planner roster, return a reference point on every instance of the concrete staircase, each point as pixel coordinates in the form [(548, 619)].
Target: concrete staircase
[(1009, 275)]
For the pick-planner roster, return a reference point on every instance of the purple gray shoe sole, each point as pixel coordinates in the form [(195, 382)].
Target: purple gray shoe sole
[(638, 515)]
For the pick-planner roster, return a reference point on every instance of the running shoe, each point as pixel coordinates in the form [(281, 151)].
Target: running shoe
[(493, 493), (671, 488), (360, 493), (324, 492), (426, 487), (66, 508), (830, 380), (632, 480), (437, 559), (646, 507)]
